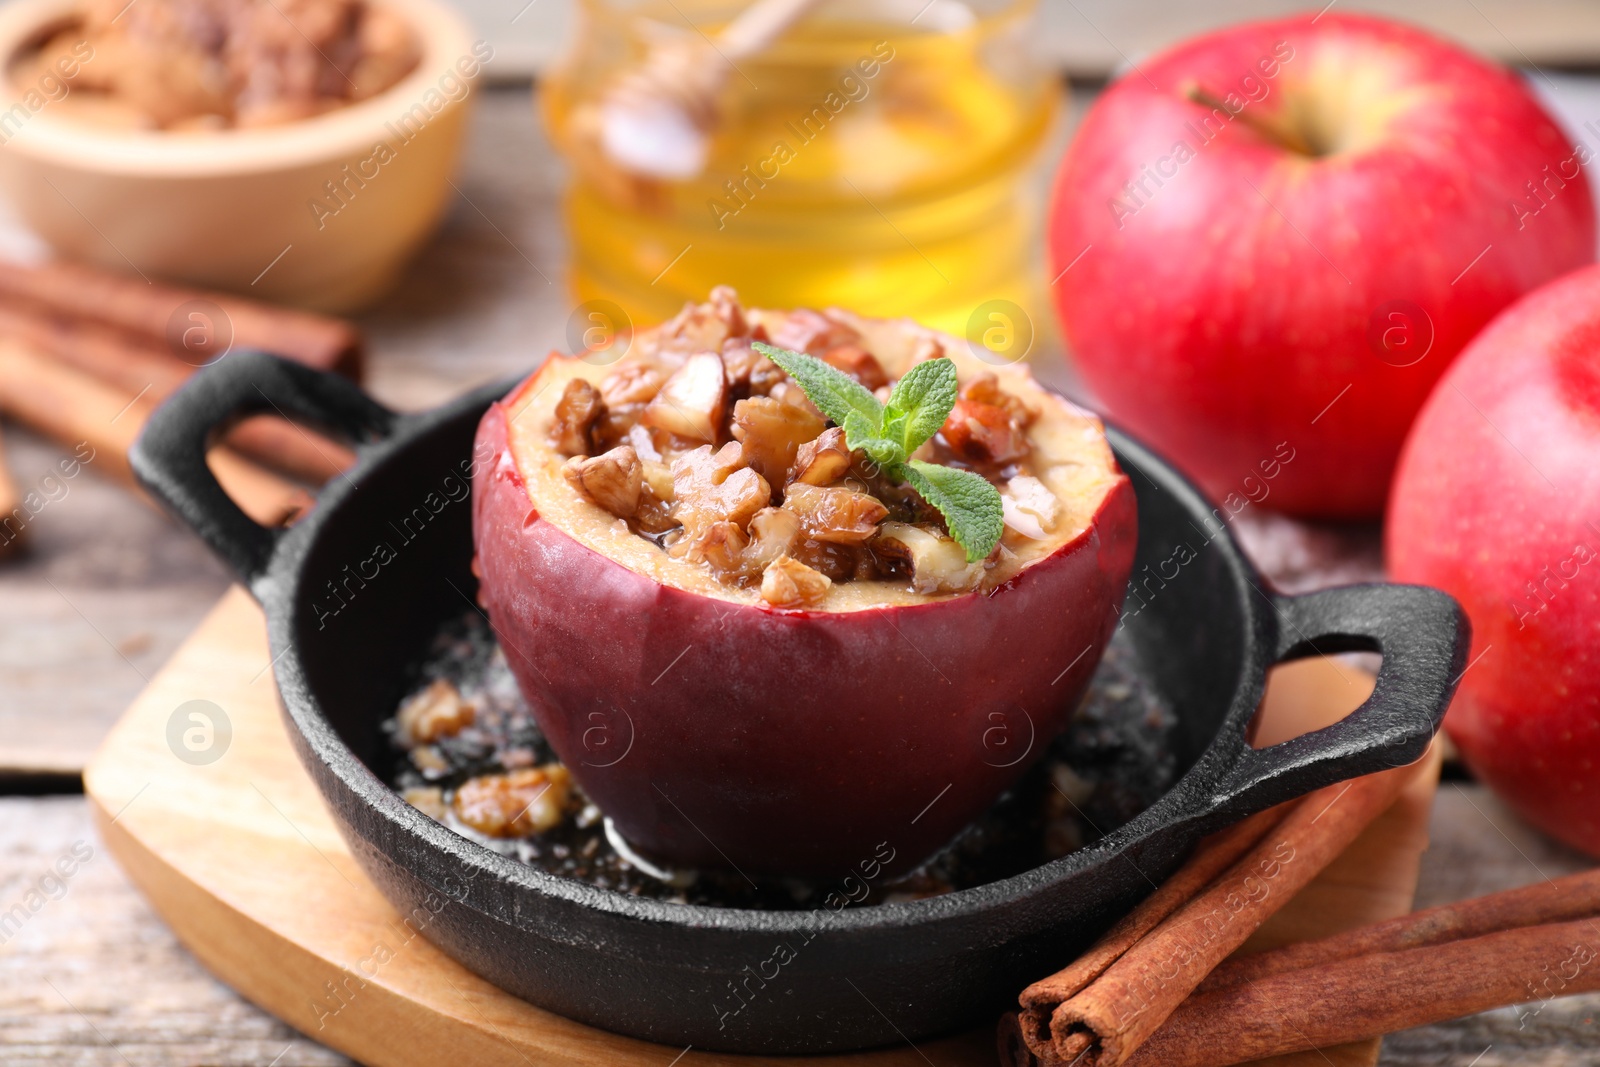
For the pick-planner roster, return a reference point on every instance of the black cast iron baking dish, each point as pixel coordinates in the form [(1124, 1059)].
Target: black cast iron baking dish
[(1206, 628)]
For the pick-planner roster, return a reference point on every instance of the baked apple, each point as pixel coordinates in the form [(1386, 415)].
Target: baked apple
[(760, 637)]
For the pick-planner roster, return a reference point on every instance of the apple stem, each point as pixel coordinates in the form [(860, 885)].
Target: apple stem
[(1288, 138)]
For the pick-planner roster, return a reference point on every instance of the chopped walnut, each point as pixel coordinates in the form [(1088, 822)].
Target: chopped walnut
[(787, 392), (984, 433), (926, 347), (725, 306), (749, 372), (517, 804), (579, 408), (738, 363), (822, 460), (860, 364), (658, 479), (645, 447), (691, 403), (937, 563), (711, 487), (1030, 508), (721, 547), (813, 332), (788, 583), (391, 52), (841, 516), (213, 64), (613, 427), (613, 480), (704, 327), (654, 515), (772, 534), (438, 711), (738, 556), (984, 387), (771, 433), (631, 383), (427, 799)]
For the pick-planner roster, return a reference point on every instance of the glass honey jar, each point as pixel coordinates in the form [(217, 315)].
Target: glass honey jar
[(876, 156)]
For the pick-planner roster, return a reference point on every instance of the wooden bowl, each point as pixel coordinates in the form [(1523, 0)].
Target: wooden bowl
[(236, 209)]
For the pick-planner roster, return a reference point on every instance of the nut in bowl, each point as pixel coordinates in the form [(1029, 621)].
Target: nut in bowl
[(809, 630), (298, 152)]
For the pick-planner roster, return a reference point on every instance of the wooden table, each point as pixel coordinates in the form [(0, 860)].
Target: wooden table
[(1089, 39), (110, 587)]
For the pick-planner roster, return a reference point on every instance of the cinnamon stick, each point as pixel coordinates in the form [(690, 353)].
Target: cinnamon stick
[(1103, 1024), (1573, 901), (11, 528), (1367, 996), (1576, 896), (166, 314), (1010, 1047), (100, 422), (1211, 857), (137, 364)]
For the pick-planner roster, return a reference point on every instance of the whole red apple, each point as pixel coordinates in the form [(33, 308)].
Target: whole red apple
[(1272, 240), (1497, 501)]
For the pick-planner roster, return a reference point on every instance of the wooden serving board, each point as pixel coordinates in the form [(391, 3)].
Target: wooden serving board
[(239, 856)]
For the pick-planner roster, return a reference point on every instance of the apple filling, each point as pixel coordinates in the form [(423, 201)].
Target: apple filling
[(704, 453)]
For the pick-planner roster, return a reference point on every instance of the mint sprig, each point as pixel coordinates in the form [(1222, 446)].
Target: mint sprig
[(889, 433), (970, 505)]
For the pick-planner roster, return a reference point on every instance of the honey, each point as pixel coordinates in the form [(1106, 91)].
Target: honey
[(876, 157)]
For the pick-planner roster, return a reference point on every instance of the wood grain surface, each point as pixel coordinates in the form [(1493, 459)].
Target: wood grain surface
[(93, 978), (139, 999), (1093, 38)]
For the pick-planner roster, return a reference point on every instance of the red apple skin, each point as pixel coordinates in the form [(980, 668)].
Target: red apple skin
[(788, 742), (1497, 502), (1230, 311)]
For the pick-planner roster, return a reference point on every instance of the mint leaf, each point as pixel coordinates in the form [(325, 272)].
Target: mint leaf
[(970, 505), (836, 394), (918, 405), (883, 452), (857, 429), (894, 429), (920, 402)]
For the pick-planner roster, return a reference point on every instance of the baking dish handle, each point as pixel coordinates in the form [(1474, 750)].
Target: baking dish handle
[(169, 458), (1423, 636)]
